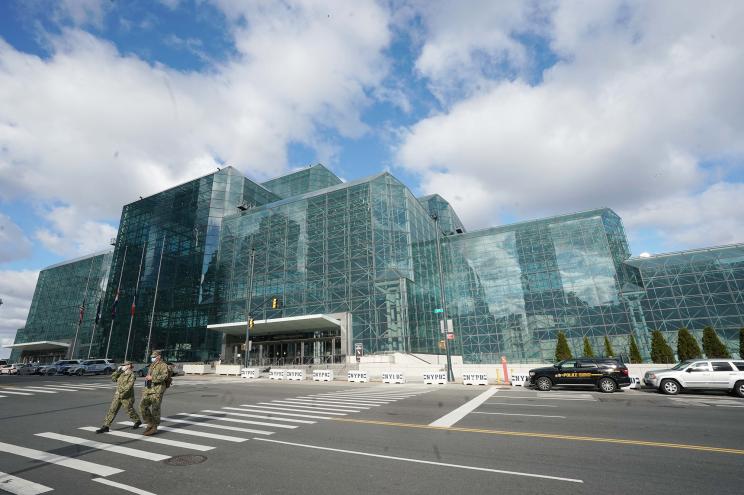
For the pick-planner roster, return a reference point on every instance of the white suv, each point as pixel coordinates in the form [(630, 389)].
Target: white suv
[(699, 374)]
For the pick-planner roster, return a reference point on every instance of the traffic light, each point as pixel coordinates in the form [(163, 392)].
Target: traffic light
[(250, 323), (275, 303)]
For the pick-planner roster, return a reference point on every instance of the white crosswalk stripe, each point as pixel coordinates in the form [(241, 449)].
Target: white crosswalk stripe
[(39, 390), (14, 393), (109, 447), (60, 460), (268, 410), (193, 433), (343, 401), (354, 397), (220, 427), (161, 441), (324, 403), (258, 416), (19, 486), (122, 486), (295, 408), (234, 420), (312, 408)]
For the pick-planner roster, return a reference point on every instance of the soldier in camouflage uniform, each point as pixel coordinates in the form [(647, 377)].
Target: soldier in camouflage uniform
[(124, 396), (155, 385)]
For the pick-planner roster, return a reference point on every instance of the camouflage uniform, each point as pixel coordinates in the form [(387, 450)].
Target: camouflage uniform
[(124, 396), (152, 396)]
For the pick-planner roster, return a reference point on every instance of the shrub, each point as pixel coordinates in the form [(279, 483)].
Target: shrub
[(660, 350), (687, 346), (712, 345), (609, 351), (635, 355), (588, 351), (561, 348)]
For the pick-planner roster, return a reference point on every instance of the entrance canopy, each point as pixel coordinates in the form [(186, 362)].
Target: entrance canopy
[(278, 325), (41, 345)]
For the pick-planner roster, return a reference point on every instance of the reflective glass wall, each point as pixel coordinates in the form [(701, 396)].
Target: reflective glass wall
[(695, 289), (55, 310), (512, 288)]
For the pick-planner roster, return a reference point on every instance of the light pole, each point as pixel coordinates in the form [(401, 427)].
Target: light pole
[(450, 374), (248, 301)]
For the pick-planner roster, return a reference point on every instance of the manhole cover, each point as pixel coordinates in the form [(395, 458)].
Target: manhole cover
[(185, 460)]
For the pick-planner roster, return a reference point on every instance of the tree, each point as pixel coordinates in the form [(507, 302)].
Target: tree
[(712, 345), (660, 350), (562, 351), (687, 346), (635, 355), (588, 351), (609, 351), (741, 343)]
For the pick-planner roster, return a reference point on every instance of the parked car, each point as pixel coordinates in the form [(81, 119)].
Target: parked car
[(93, 366), (60, 366), (607, 374), (5, 369), (699, 374), (19, 369)]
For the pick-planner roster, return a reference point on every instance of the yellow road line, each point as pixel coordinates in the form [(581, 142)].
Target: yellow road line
[(553, 436)]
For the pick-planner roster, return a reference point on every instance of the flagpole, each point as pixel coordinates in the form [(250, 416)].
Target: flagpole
[(155, 299), (134, 300), (95, 324), (82, 310), (113, 315)]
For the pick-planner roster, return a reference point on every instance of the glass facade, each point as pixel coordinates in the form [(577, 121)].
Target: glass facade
[(186, 257), (695, 289), (512, 288), (54, 315)]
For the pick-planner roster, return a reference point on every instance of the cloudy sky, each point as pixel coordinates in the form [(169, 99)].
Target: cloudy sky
[(510, 110)]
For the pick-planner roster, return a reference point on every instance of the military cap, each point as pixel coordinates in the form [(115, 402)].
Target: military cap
[(128, 363), (155, 353)]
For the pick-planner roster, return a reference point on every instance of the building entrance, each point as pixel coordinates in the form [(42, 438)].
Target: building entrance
[(287, 349)]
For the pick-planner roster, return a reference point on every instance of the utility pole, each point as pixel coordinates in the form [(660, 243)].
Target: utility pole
[(450, 374), (248, 301)]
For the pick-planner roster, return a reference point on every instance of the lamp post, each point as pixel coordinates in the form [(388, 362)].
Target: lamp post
[(450, 374), (248, 301)]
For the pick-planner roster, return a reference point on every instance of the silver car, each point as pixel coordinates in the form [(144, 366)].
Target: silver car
[(699, 374)]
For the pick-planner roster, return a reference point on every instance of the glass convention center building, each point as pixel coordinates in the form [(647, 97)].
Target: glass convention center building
[(317, 267)]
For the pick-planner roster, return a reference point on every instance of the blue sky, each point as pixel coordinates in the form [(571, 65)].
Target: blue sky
[(510, 110)]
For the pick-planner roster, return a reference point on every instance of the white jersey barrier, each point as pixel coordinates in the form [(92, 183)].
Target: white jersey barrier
[(393, 377), (519, 380), (435, 378), (635, 382), (358, 376), (322, 375), (297, 375), (276, 374), (249, 373), (475, 378)]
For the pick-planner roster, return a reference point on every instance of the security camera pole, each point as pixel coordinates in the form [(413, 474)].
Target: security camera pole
[(445, 321), (249, 300)]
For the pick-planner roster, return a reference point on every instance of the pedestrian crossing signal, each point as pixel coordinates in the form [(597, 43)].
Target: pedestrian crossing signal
[(274, 303)]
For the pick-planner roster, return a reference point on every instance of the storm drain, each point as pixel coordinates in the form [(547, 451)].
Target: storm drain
[(185, 460)]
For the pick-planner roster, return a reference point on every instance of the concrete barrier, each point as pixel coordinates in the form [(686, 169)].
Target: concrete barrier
[(248, 373), (475, 378), (435, 378), (197, 369), (393, 377), (322, 375), (277, 374), (296, 375), (520, 380), (228, 369), (358, 376)]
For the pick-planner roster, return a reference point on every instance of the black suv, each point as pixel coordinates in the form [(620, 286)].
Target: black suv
[(607, 374)]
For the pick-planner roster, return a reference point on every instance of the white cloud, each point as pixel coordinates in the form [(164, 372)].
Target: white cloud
[(645, 96), (14, 244), (16, 291), (89, 129)]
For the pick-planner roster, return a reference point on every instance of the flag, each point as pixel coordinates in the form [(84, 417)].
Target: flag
[(82, 312), (132, 312), (116, 303), (98, 312)]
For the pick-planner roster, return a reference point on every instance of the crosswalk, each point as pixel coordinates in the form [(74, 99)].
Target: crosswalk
[(707, 402), (208, 428), (55, 387)]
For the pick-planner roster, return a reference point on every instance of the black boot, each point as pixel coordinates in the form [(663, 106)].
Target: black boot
[(102, 429), (136, 424)]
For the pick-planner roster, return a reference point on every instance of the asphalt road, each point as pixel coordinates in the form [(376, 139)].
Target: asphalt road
[(262, 437)]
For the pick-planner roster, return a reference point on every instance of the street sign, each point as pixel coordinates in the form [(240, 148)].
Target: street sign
[(358, 351), (450, 336), (441, 326), (438, 310)]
